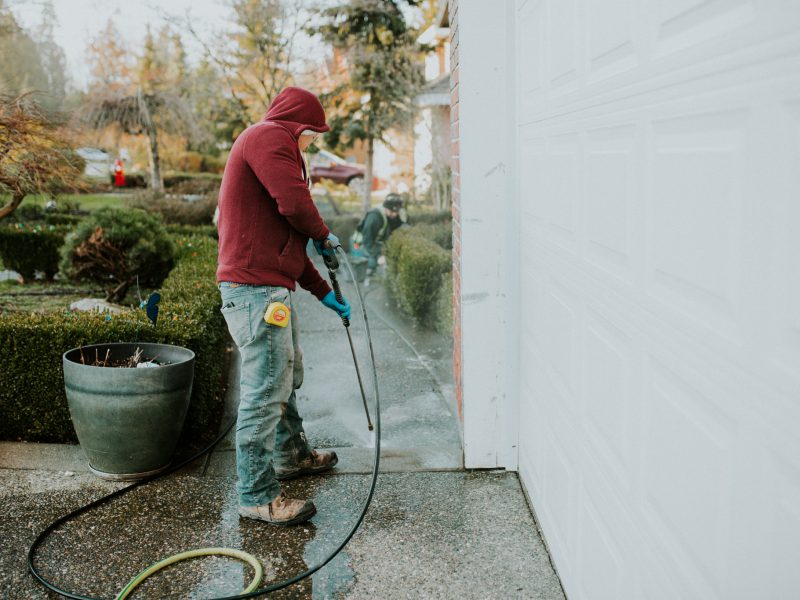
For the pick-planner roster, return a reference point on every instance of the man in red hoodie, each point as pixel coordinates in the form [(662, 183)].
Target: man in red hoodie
[(266, 217)]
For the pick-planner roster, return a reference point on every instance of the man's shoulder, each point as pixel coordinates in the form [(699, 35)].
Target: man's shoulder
[(265, 129), (374, 214)]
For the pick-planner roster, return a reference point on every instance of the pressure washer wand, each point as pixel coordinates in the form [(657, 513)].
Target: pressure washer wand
[(333, 264)]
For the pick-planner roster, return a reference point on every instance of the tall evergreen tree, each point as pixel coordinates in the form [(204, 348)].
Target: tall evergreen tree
[(379, 78), (53, 59), (21, 69)]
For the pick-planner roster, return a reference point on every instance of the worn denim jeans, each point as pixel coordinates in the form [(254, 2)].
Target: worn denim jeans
[(269, 430)]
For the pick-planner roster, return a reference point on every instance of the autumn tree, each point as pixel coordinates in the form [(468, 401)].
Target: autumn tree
[(34, 158), (253, 60), (146, 97), (378, 78)]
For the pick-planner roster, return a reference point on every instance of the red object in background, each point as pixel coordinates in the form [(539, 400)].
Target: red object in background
[(119, 173), (326, 165)]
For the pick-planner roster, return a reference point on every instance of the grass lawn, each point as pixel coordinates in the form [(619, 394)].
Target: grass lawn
[(88, 202)]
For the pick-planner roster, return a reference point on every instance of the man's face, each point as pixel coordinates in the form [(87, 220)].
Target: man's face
[(305, 140), (392, 213)]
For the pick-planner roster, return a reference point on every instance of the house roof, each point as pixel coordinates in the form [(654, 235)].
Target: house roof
[(435, 92)]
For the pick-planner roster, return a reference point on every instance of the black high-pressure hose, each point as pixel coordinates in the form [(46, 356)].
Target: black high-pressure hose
[(332, 264)]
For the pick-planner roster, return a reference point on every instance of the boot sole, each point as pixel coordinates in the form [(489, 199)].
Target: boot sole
[(301, 518), (307, 471)]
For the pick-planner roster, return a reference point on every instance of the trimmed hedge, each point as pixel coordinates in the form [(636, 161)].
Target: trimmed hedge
[(174, 210), (419, 217), (33, 405), (417, 268), (439, 233), (185, 230), (173, 178), (27, 249), (444, 307)]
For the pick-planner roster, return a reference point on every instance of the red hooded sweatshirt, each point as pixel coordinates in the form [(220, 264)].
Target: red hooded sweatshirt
[(266, 214)]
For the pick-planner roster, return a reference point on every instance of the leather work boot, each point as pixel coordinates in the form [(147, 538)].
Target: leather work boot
[(316, 462), (281, 511)]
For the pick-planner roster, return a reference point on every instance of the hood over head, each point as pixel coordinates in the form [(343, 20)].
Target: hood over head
[(298, 109)]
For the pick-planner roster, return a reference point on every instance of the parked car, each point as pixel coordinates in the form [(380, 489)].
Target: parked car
[(326, 165), (98, 162)]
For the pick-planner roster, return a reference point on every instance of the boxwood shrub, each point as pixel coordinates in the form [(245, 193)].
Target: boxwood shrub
[(417, 268), (444, 307), (33, 405), (27, 249), (418, 216)]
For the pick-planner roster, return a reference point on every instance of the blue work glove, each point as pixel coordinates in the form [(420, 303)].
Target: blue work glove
[(343, 310), (321, 250)]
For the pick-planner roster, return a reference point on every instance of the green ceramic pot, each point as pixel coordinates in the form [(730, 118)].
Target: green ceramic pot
[(128, 420)]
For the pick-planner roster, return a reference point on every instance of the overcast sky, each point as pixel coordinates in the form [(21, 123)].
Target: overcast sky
[(81, 20)]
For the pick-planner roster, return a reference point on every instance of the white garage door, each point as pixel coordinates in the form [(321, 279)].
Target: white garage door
[(658, 149)]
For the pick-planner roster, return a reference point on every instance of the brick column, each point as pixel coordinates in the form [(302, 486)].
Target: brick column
[(456, 204)]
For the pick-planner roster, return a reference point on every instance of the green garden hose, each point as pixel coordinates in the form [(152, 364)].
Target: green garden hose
[(252, 590), (240, 554)]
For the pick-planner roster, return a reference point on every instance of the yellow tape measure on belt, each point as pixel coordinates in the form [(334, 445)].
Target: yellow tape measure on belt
[(278, 314)]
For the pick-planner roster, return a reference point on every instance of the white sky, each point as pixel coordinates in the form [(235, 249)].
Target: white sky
[(79, 21)]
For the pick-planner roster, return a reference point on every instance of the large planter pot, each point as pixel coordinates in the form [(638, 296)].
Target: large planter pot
[(128, 420)]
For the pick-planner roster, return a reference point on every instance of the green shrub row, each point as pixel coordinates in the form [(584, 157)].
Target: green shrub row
[(173, 178), (27, 249), (443, 320), (174, 210), (33, 406), (417, 216), (439, 233), (36, 214), (184, 230), (417, 270)]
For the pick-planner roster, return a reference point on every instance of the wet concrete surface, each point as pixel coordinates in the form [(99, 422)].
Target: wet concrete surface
[(433, 531), (427, 535)]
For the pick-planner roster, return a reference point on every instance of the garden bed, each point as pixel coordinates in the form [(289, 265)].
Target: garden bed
[(43, 297)]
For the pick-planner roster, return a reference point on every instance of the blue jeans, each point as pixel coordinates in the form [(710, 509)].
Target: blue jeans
[(268, 429)]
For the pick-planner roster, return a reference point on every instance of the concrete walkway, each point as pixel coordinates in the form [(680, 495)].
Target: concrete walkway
[(433, 531)]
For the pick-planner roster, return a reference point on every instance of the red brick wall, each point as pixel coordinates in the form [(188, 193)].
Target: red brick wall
[(455, 162)]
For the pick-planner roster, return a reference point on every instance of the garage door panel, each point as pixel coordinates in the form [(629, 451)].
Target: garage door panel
[(559, 497), (610, 406), (686, 23), (659, 177), (696, 217), (533, 154), (561, 50), (561, 329), (611, 187), (600, 563), (782, 545), (788, 322), (609, 34), (564, 164), (533, 387), (688, 473)]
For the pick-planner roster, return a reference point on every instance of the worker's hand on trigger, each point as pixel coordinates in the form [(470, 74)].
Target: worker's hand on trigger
[(319, 244), (343, 310)]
